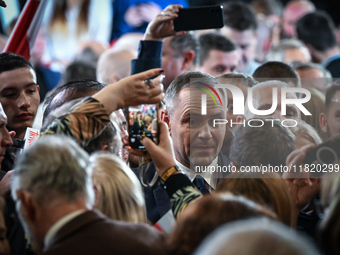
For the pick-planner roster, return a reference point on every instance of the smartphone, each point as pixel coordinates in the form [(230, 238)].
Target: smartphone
[(324, 158), (142, 122), (196, 18)]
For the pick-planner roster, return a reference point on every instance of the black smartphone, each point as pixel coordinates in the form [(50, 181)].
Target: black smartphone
[(142, 122), (324, 158), (196, 18)]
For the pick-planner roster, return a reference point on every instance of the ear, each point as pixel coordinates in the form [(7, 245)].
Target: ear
[(164, 115), (323, 122), (188, 57), (105, 148), (232, 164), (38, 88), (114, 78), (28, 205), (240, 118)]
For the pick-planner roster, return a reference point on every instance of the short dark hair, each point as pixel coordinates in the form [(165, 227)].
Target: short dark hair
[(185, 42), (317, 29), (75, 89), (214, 41), (79, 70), (268, 145), (183, 81), (240, 16), (330, 93), (10, 61), (275, 70)]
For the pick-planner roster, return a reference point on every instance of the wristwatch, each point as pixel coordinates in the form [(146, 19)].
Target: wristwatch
[(172, 170)]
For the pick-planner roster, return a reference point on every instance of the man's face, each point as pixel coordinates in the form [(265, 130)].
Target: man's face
[(333, 116), (263, 100), (297, 55), (196, 142), (220, 62), (19, 95), (171, 64), (246, 42), (291, 15)]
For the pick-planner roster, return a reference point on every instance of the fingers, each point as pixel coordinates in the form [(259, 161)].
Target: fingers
[(12, 134), (148, 74)]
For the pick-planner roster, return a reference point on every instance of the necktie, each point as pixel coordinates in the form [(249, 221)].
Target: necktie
[(200, 184)]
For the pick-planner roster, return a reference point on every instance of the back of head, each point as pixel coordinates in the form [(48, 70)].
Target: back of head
[(277, 52), (262, 236), (206, 214), (305, 133), (275, 70), (239, 16), (185, 80), (186, 42), (267, 189), (269, 144), (78, 71), (120, 196), (214, 41), (317, 29), (54, 168), (70, 91), (114, 65), (10, 61), (237, 78)]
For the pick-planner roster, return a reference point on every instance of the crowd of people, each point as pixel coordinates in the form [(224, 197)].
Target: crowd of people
[(172, 142)]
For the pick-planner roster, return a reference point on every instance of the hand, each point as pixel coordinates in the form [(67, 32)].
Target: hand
[(2, 3), (162, 26), (5, 184), (132, 91), (148, 11), (299, 184), (161, 154)]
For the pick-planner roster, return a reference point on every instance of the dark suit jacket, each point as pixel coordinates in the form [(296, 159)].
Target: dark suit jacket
[(93, 233), (334, 68), (157, 201)]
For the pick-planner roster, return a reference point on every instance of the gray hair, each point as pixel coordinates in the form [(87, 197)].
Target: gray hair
[(53, 167), (304, 130), (269, 144), (189, 79), (277, 52), (264, 236), (319, 67)]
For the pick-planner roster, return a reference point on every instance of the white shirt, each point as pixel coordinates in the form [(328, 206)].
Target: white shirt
[(208, 177), (59, 224)]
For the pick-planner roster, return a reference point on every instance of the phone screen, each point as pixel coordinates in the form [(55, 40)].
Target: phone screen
[(142, 122)]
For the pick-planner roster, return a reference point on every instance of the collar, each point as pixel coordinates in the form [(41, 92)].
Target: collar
[(59, 224), (208, 177), (329, 59)]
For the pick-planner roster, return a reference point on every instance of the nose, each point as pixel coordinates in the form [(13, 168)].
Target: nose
[(205, 132), (24, 101)]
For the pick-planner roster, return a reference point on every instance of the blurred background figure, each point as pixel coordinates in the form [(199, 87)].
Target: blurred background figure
[(292, 12)]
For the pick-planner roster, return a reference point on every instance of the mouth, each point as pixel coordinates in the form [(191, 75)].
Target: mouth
[(25, 116)]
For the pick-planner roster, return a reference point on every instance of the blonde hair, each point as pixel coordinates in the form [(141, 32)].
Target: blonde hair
[(121, 197)]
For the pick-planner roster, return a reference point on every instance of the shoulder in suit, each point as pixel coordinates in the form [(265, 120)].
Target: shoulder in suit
[(93, 233)]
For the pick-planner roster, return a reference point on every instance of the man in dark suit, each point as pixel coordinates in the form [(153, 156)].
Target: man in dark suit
[(53, 191), (316, 30), (195, 144)]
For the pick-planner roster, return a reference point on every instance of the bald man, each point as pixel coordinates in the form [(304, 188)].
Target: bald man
[(292, 12), (114, 65)]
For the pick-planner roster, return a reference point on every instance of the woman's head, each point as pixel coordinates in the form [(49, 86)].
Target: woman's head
[(120, 193), (268, 189)]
